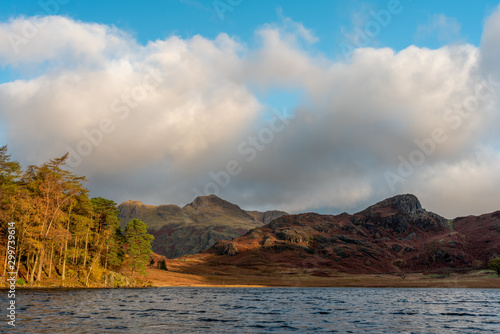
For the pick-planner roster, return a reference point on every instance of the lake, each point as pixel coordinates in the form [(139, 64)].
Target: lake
[(256, 310)]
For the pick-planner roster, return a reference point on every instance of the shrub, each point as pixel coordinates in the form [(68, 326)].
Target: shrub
[(20, 281), (494, 264)]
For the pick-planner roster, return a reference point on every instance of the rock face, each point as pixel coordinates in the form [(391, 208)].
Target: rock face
[(226, 248), (406, 204), (194, 227), (113, 279), (290, 236), (399, 213), (394, 235), (402, 204)]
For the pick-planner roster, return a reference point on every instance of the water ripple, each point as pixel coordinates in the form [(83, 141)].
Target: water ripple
[(258, 310)]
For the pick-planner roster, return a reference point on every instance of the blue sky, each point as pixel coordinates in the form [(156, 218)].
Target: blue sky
[(356, 88)]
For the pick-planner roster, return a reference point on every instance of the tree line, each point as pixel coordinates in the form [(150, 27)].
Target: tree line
[(60, 231)]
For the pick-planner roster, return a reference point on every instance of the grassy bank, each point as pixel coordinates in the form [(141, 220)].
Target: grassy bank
[(238, 277)]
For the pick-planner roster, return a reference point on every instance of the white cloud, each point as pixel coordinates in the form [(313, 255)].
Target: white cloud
[(60, 40), (490, 48), (355, 121), (444, 29), (198, 105), (468, 187)]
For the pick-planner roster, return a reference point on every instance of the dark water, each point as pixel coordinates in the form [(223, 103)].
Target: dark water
[(256, 310)]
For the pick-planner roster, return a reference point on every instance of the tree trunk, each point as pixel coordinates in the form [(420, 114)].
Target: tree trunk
[(28, 262), (50, 263), (40, 264), (75, 251), (19, 255), (18, 267), (65, 257), (86, 244), (106, 259), (96, 259), (22, 276), (60, 255), (5, 262), (32, 277)]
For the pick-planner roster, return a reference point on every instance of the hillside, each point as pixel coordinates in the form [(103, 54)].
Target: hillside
[(394, 235), (196, 226)]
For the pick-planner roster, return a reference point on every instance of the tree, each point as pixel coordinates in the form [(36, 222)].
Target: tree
[(138, 243), (9, 170), (108, 226), (60, 231), (53, 191), (163, 265), (10, 193), (494, 264), (13, 200)]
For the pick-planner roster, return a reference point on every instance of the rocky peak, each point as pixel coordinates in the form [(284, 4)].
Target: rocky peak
[(131, 202), (131, 206), (406, 203), (203, 202), (212, 203), (401, 212), (133, 209)]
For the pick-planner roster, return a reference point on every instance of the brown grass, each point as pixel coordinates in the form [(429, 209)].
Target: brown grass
[(194, 272)]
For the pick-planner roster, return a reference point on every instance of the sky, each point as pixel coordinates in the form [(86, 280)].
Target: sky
[(325, 106)]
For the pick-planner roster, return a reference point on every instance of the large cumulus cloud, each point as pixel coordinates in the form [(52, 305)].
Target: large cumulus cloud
[(168, 116)]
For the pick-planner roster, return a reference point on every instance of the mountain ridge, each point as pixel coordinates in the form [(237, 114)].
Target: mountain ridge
[(194, 227), (393, 235)]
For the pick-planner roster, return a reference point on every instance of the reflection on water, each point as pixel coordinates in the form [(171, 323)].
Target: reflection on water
[(257, 310)]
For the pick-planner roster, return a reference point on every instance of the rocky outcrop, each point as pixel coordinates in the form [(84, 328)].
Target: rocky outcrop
[(113, 279), (291, 236), (226, 248), (406, 204), (403, 204), (400, 213)]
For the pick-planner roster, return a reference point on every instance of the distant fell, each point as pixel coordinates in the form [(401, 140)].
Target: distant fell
[(395, 235), (196, 226)]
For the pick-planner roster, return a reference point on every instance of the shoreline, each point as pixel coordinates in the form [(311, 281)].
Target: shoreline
[(473, 280), (156, 278), (448, 285)]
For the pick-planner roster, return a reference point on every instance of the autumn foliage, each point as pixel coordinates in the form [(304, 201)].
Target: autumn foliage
[(61, 233)]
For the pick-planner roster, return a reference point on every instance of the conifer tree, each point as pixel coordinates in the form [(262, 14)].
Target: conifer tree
[(108, 226), (138, 243)]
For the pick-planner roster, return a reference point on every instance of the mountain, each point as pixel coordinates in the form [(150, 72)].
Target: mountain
[(194, 227), (394, 235), (480, 235)]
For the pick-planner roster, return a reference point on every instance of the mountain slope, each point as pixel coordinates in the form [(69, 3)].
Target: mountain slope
[(195, 227), (481, 236), (394, 235)]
